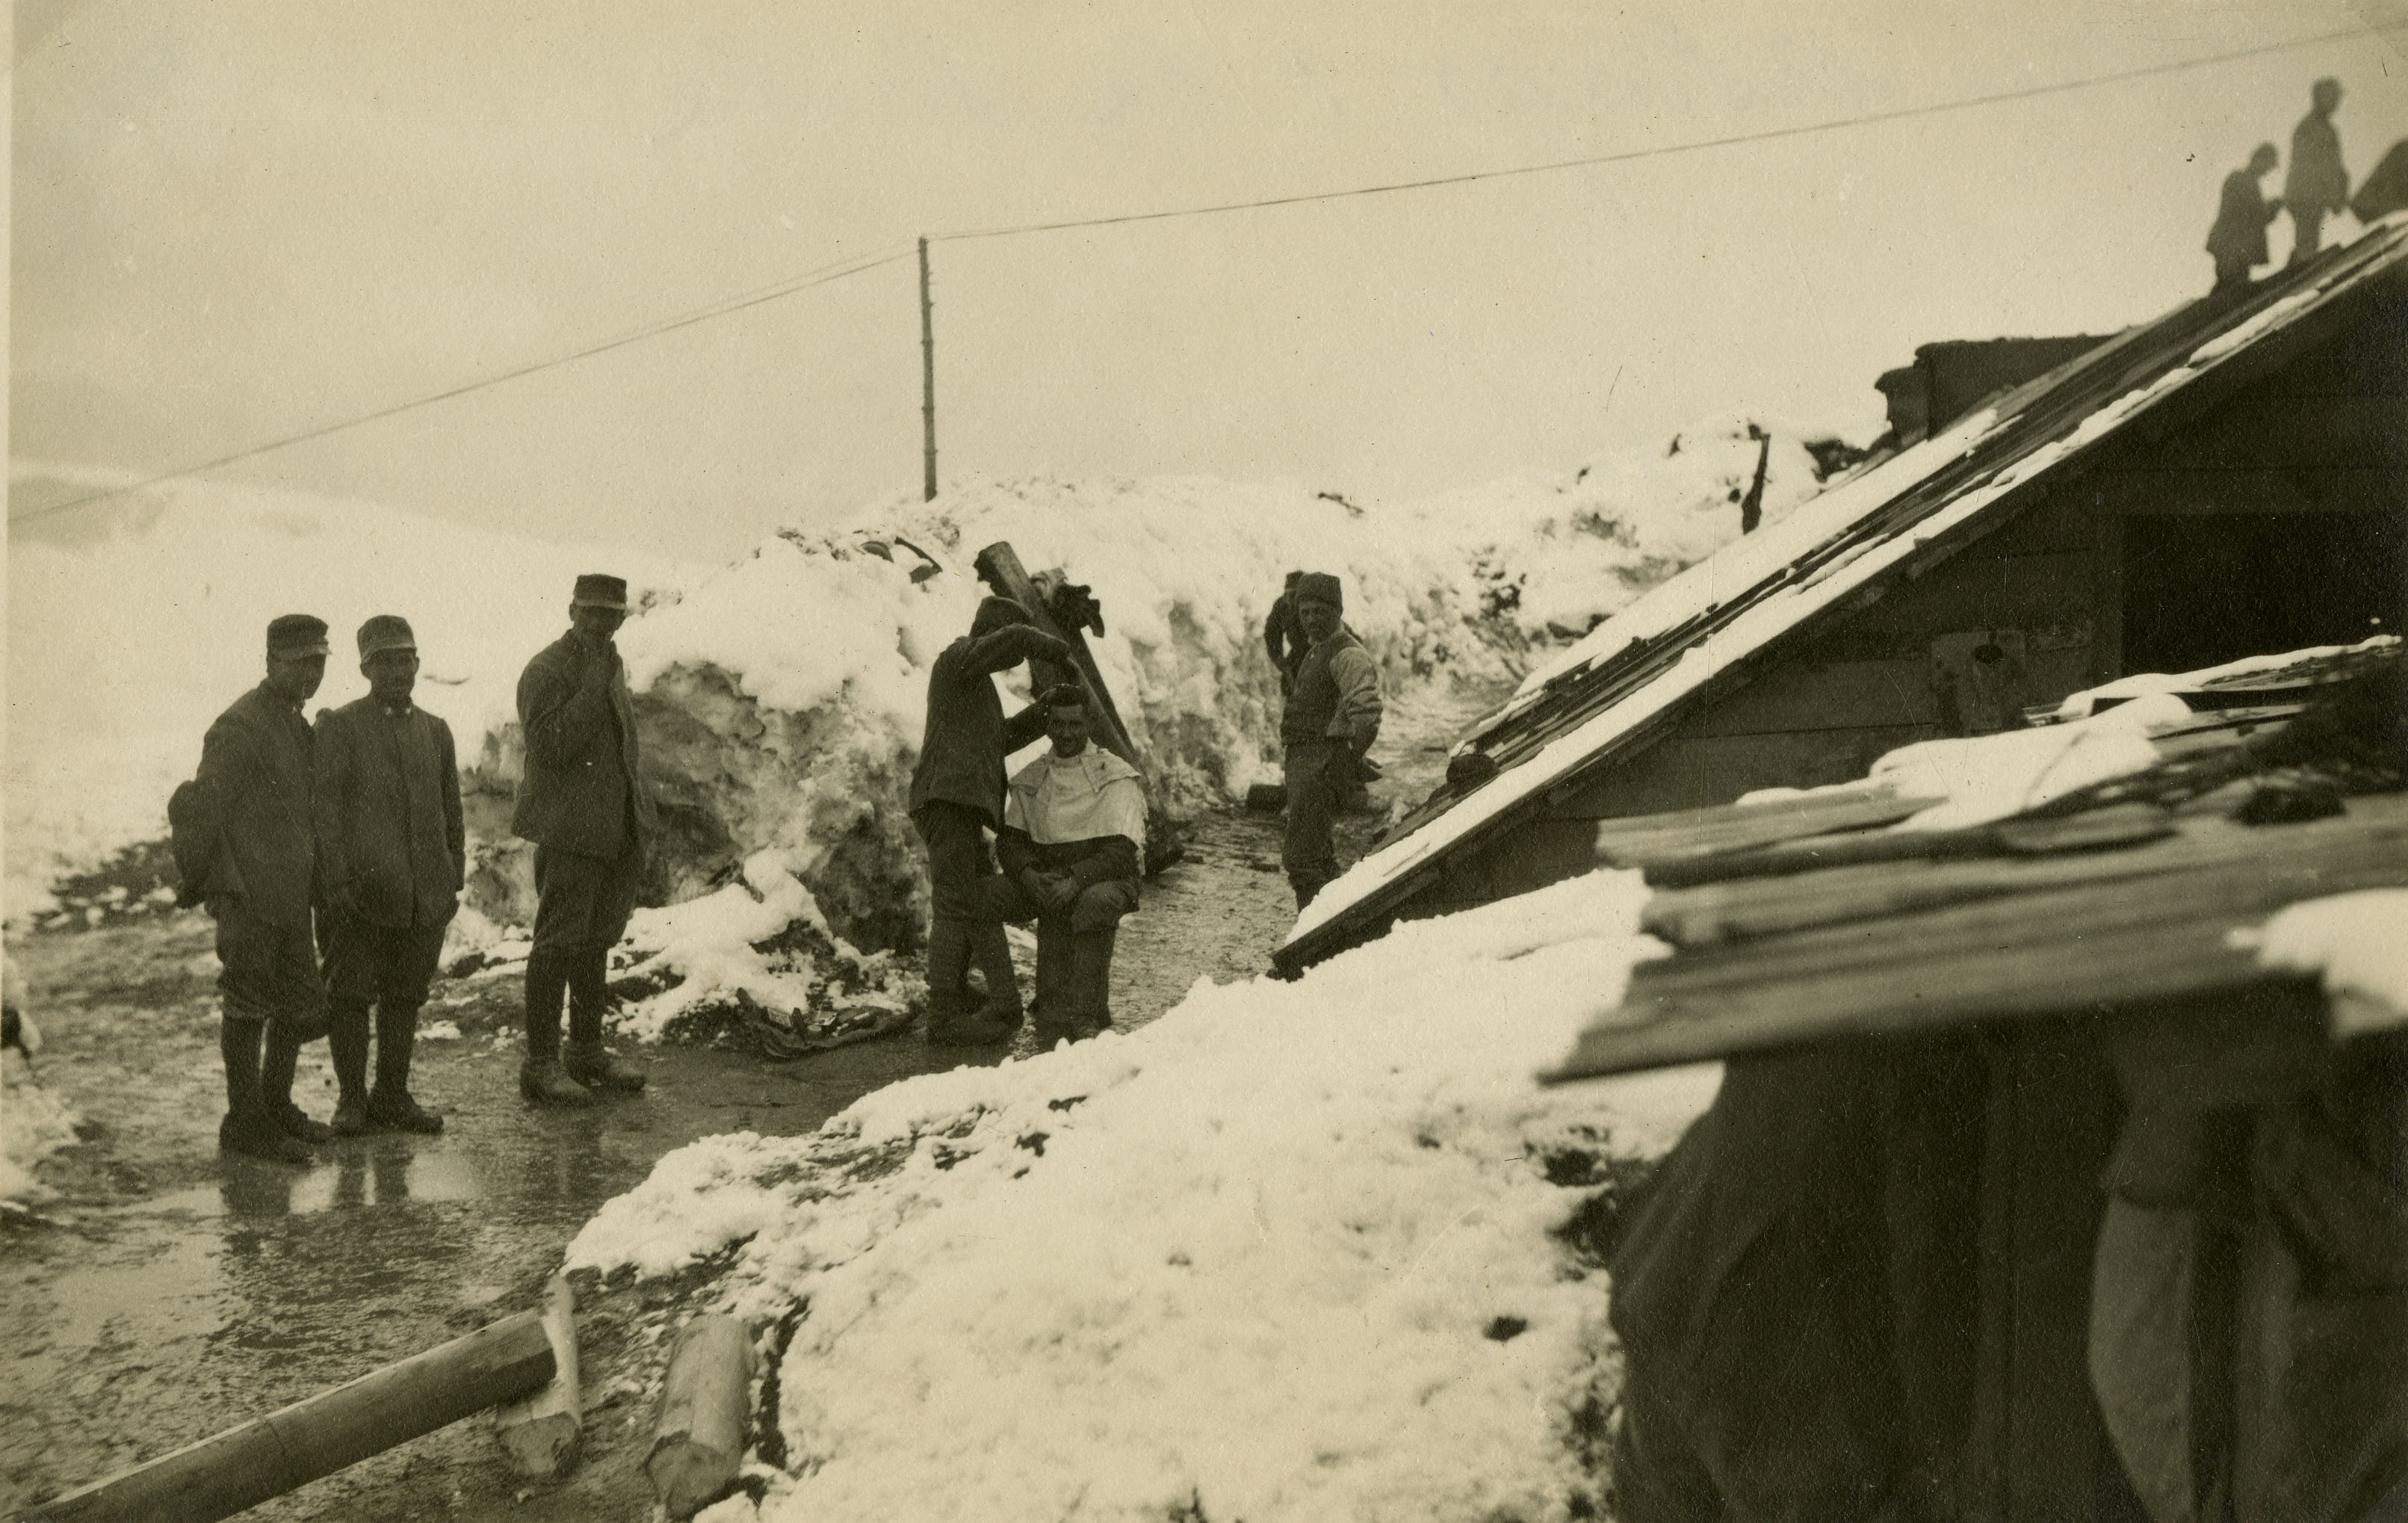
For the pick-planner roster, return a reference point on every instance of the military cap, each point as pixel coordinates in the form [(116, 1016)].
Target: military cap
[(386, 632), (1320, 587), (297, 634), (596, 590)]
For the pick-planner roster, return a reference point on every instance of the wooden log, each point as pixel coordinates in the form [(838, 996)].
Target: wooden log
[(706, 1408), (999, 566), (267, 1457), (544, 1433)]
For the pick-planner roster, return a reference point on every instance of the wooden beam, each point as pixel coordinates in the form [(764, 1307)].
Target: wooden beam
[(544, 1433), (999, 566), (267, 1457), (706, 1411)]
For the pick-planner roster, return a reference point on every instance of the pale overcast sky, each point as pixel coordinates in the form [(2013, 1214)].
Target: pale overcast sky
[(237, 220)]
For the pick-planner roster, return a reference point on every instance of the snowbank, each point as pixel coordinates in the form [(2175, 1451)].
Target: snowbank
[(1290, 1252), (783, 697)]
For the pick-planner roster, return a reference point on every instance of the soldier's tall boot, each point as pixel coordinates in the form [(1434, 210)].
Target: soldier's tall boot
[(1057, 1012), (389, 1104), (347, 1042), (589, 996), (247, 1129), (279, 1060), (951, 1020), (991, 953), (541, 1078), (1091, 979)]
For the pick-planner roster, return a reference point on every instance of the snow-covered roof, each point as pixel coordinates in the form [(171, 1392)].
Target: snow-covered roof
[(2209, 865), (1613, 691)]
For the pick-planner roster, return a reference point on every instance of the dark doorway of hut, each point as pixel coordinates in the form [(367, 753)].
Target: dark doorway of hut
[(2201, 590)]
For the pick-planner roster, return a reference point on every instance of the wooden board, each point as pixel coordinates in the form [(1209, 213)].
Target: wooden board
[(2070, 947), (1642, 840)]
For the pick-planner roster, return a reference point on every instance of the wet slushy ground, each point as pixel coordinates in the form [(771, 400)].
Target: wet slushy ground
[(171, 1292)]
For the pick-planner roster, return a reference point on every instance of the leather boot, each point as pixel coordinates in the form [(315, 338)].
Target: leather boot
[(389, 1105), (541, 1078), (952, 1023), (347, 1042), (1091, 979), (277, 1063), (246, 1129), (589, 996), (991, 953), (1057, 1005)]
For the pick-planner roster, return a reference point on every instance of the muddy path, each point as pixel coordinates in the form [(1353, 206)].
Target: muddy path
[(170, 1292)]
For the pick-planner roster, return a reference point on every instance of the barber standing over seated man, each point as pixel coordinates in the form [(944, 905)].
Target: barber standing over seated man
[(391, 849), (1072, 848), (582, 803), (1331, 719), (245, 847), (956, 797)]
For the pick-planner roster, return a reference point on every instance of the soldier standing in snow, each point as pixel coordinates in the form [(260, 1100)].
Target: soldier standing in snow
[(1073, 847), (1283, 637), (957, 794), (244, 846), (2238, 239), (2316, 184), (582, 802), (391, 849), (1331, 719)]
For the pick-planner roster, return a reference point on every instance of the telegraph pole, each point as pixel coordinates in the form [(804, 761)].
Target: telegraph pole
[(927, 383)]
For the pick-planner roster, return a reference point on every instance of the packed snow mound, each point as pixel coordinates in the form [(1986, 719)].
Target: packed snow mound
[(782, 697), (1293, 1250), (133, 623)]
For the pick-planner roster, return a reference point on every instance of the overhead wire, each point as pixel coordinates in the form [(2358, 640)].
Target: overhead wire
[(1696, 146), (862, 264), (824, 274)]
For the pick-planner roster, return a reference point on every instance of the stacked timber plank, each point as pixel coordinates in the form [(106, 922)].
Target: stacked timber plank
[(1930, 935)]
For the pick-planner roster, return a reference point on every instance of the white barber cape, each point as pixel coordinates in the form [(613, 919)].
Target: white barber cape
[(1060, 798)]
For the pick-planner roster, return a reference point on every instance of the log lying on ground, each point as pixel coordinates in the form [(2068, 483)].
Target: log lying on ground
[(270, 1456), (706, 1407), (544, 1433)]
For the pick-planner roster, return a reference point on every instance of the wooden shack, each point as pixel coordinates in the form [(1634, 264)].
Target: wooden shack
[(2020, 954), (2228, 479)]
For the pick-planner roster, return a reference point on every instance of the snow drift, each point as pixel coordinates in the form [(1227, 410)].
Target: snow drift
[(1160, 1276), (781, 696)]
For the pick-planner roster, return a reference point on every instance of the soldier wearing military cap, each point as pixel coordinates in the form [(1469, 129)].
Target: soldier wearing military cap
[(1331, 717), (245, 847), (391, 854), (581, 801)]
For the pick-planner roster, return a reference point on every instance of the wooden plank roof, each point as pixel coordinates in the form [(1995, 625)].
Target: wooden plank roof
[(1927, 944), (1702, 633)]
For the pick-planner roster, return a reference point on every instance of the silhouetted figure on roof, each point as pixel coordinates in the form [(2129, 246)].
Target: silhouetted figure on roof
[(2238, 239), (2318, 183), (2384, 191)]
